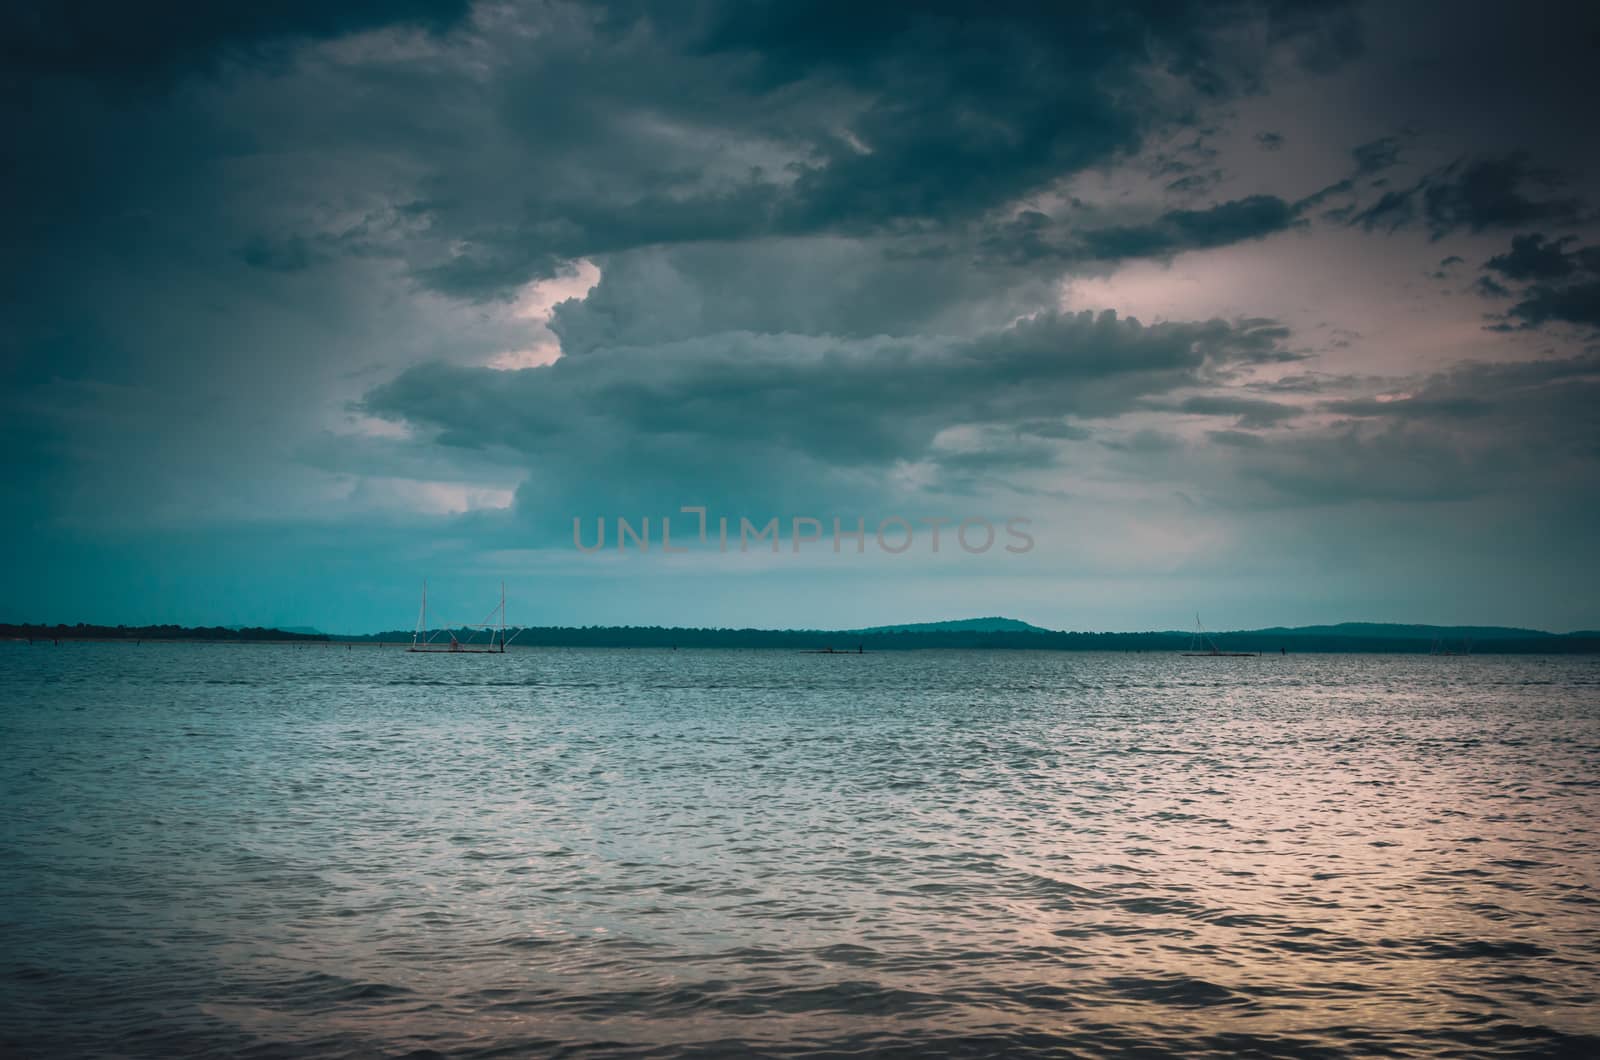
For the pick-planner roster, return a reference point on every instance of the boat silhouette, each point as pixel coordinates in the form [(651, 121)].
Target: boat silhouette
[(1213, 652), (422, 640)]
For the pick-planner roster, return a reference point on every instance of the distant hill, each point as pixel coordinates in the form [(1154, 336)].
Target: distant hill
[(961, 625)]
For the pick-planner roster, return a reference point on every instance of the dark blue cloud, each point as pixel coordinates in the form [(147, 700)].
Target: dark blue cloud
[(1575, 303), (1251, 412), (153, 41), (1532, 257), (1180, 230), (1376, 155), (718, 413), (1561, 286), (896, 121), (1474, 194)]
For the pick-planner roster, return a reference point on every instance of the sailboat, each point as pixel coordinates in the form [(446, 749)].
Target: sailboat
[(422, 640), (1202, 637)]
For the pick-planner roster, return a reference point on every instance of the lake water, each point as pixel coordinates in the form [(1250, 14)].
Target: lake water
[(290, 851)]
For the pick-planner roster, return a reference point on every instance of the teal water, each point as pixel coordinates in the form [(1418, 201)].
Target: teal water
[(281, 851)]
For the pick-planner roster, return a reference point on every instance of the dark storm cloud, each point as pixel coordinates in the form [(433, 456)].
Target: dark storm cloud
[(246, 221), (1293, 384), (832, 241), (995, 452), (1477, 430), (1392, 211), (1532, 257), (1475, 194), (1495, 193), (875, 122), (1460, 407), (1576, 303), (286, 255), (1037, 237), (800, 392), (1181, 230), (1146, 442), (118, 42), (1237, 439), (1251, 412), (692, 414), (1058, 429), (811, 286), (1560, 286), (1376, 155)]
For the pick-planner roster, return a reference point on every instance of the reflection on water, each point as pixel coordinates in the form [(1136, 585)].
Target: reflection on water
[(320, 852)]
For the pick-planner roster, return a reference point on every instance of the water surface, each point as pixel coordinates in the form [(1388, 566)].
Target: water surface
[(288, 851)]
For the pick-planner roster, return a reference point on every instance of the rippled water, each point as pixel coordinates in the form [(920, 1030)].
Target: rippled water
[(313, 851)]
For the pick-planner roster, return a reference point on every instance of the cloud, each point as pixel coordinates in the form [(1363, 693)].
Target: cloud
[(122, 43), (1531, 257), (1376, 155), (832, 245), (1576, 303), (1494, 191), (287, 255), (1561, 286), (824, 285), (1034, 236), (832, 121), (1238, 439), (1491, 193), (720, 412), (1180, 230), (1251, 412), (1477, 430)]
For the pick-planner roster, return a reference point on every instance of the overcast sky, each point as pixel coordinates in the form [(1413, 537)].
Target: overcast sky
[(1283, 312)]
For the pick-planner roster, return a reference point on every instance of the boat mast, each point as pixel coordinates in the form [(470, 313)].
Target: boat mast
[(502, 616)]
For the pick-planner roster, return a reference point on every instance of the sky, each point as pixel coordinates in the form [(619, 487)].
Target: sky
[(1279, 312)]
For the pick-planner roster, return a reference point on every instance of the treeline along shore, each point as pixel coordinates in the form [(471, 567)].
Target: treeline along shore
[(85, 631), (1352, 637)]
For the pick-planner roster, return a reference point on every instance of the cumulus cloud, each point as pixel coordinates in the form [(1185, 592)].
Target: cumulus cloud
[(719, 412)]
